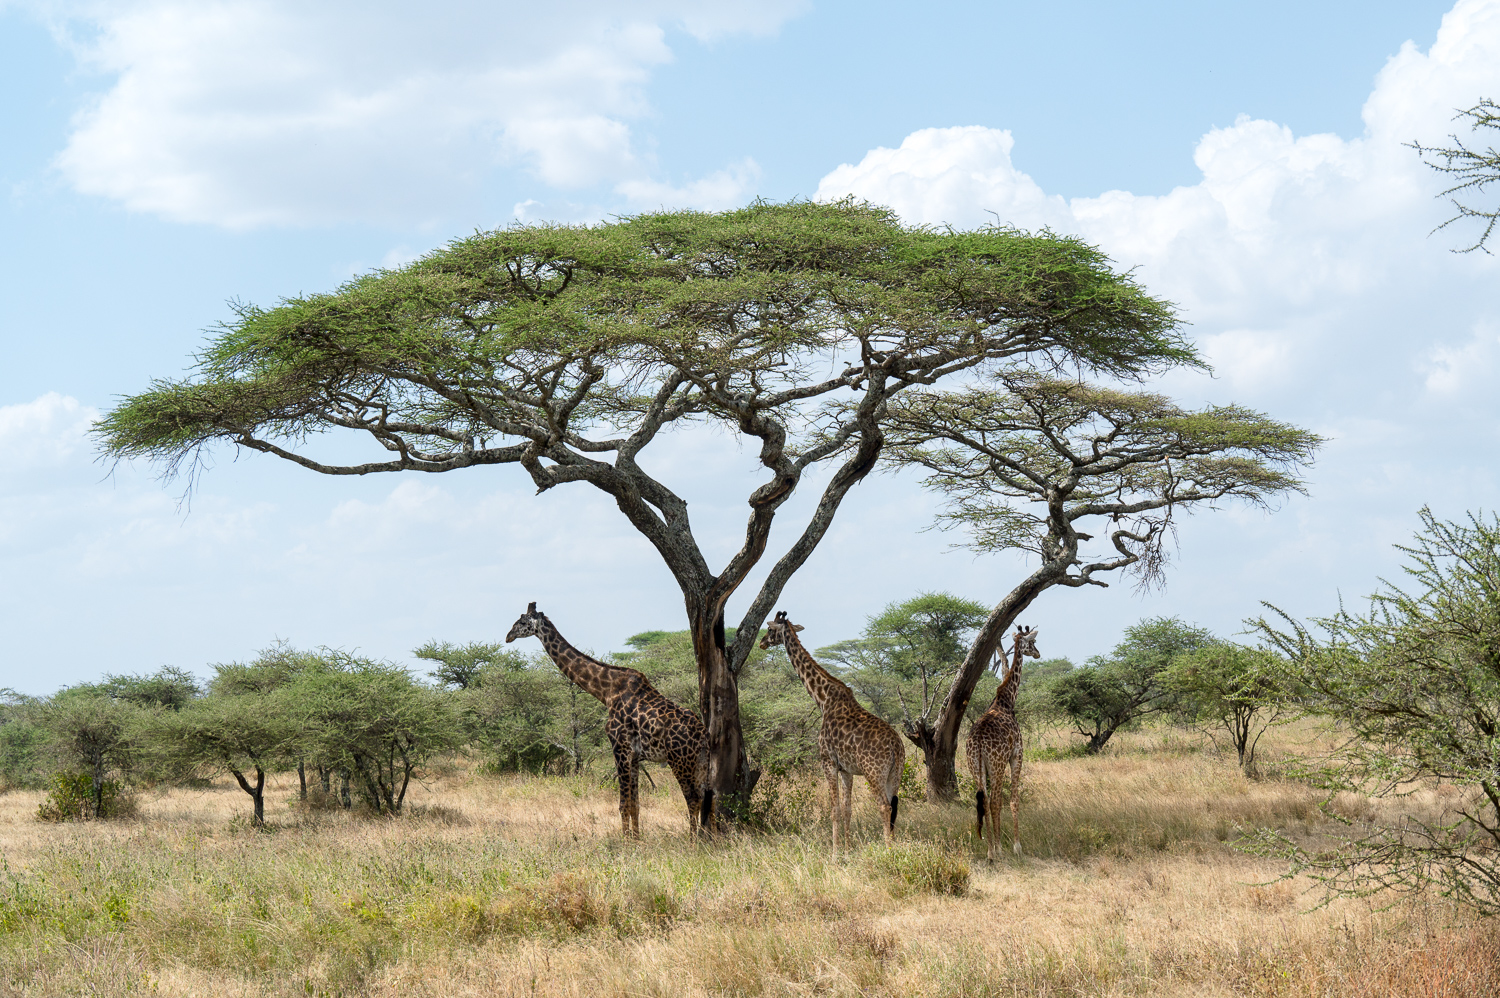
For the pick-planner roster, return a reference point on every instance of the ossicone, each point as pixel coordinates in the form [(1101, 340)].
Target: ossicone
[(530, 608)]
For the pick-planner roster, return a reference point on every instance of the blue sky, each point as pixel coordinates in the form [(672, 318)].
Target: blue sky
[(163, 157)]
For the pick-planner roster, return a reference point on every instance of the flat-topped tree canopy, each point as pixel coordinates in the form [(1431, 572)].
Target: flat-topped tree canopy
[(1029, 462), (566, 349)]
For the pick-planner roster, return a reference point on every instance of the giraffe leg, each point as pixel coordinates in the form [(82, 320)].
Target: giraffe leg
[(845, 811), (996, 801), (1015, 803), (635, 798), (625, 771), (690, 793), (832, 774)]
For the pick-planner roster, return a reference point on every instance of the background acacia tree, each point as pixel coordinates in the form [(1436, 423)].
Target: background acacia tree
[(566, 350), (1117, 690), (247, 734), (1026, 461), (373, 722), (1231, 687)]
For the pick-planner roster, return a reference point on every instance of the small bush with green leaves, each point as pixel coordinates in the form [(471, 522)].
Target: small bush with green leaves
[(72, 799), (920, 868)]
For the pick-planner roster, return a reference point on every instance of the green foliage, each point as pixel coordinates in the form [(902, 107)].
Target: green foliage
[(274, 668), (91, 732), (1472, 170), (1035, 706), (168, 687), (462, 666), (1021, 463), (1233, 687), (1114, 691), (661, 290), (920, 868), (73, 798), (23, 742), (910, 652), (373, 721), (1415, 681), (527, 716)]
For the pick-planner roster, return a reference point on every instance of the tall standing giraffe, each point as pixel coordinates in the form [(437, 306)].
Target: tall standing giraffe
[(994, 744), (643, 725), (851, 740)]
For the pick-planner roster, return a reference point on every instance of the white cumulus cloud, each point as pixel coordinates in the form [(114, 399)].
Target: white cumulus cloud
[(247, 113)]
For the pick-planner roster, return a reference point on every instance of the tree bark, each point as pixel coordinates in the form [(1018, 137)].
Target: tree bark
[(729, 773), (921, 734), (256, 792), (942, 778)]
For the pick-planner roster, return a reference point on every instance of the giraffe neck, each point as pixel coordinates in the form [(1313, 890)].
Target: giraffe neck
[(1005, 693), (592, 676), (819, 683)]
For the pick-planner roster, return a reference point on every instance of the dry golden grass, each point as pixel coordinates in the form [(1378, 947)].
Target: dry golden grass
[(512, 886)]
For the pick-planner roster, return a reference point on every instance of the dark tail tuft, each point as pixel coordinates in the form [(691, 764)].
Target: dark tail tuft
[(706, 811), (979, 807), (894, 801)]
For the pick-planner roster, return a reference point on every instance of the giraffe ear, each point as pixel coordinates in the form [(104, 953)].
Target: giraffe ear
[(796, 627), (1034, 632)]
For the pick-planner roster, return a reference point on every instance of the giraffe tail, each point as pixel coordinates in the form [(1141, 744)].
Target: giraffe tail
[(894, 801), (979, 807), (706, 811)]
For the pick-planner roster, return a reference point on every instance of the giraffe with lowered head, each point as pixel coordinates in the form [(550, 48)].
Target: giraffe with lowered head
[(995, 744), (643, 725), (851, 740)]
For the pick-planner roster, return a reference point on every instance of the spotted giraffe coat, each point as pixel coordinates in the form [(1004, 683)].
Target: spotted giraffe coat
[(642, 725)]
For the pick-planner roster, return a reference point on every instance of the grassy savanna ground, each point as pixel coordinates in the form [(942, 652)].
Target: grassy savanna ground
[(507, 885)]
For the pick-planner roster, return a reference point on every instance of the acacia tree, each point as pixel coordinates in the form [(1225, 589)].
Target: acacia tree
[(1414, 682), (1027, 460), (1472, 170), (1234, 687), (372, 721), (245, 734), (1130, 683), (567, 350)]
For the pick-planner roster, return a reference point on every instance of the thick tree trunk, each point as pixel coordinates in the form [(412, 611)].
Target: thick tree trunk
[(942, 779), (256, 792), (921, 734), (729, 773)]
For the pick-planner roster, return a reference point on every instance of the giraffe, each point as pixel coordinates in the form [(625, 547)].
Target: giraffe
[(643, 725), (995, 743), (851, 740)]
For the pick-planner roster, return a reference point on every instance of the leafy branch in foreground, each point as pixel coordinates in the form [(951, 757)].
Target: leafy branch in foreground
[(1415, 683), (1471, 169), (1025, 462)]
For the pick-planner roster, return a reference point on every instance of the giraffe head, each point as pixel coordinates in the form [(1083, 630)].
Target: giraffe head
[(1026, 641), (527, 625), (778, 629)]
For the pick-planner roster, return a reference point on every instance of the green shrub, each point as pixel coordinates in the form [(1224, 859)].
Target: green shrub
[(72, 799), (920, 868)]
